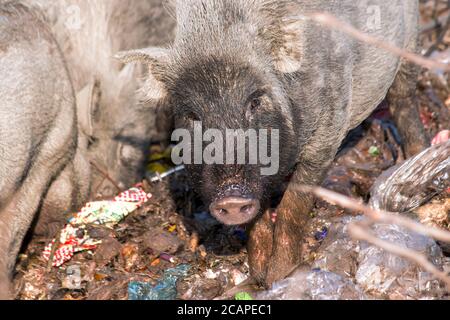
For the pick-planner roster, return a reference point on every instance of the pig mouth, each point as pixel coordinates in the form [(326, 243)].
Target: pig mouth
[(235, 208)]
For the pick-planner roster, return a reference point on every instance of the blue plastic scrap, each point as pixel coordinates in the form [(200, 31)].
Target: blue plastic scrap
[(165, 289), (322, 234)]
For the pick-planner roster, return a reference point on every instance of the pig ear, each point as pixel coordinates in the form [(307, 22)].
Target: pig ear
[(154, 58), (87, 101), (289, 51)]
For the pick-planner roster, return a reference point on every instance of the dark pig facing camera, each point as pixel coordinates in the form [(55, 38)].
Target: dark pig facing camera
[(263, 65)]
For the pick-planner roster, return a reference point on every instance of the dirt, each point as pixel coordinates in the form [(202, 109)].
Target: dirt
[(174, 228)]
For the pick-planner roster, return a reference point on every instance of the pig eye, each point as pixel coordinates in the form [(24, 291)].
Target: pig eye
[(255, 104), (191, 116)]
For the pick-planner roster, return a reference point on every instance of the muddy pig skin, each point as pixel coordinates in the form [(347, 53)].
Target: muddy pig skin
[(68, 112), (116, 125), (38, 129), (258, 64)]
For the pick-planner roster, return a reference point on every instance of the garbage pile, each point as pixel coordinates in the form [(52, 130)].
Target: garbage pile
[(347, 269), (170, 247)]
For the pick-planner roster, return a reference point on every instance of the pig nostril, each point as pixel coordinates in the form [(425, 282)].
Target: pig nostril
[(223, 212)]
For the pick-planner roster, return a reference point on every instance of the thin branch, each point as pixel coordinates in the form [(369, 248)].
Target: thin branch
[(106, 175), (361, 233), (376, 215), (332, 22), (361, 230), (247, 285)]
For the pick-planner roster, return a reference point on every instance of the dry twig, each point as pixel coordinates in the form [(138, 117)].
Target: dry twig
[(332, 22), (375, 215), (361, 230)]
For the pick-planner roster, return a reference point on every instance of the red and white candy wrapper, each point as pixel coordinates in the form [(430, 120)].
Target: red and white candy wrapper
[(70, 243), (74, 239)]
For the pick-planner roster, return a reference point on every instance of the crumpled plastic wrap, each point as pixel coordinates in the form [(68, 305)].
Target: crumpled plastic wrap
[(313, 285), (165, 289), (338, 252), (390, 276), (74, 238), (414, 182), (377, 272)]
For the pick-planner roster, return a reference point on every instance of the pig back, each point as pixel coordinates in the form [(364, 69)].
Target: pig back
[(342, 80), (36, 95)]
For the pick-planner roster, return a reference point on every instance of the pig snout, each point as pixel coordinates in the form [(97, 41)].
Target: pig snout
[(234, 207), (109, 190), (235, 210)]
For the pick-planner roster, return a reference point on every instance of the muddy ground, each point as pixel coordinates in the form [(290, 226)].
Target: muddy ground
[(175, 223)]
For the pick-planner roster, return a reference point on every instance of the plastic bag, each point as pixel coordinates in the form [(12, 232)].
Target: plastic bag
[(379, 273), (166, 289), (414, 182), (313, 285), (389, 276)]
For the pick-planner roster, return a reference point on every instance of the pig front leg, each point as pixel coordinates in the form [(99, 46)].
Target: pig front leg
[(260, 246), (17, 216), (22, 197), (292, 215), (403, 105), (5, 282), (12, 231), (275, 249), (68, 193)]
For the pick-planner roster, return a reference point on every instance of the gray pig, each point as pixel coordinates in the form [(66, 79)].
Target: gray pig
[(260, 64), (117, 126), (38, 127), (66, 124)]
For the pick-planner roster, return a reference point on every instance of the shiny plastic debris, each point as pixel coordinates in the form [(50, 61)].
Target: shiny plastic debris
[(159, 176), (74, 238), (313, 285), (322, 234), (377, 272), (414, 182), (160, 161), (338, 252), (110, 213), (243, 296), (389, 276), (345, 269), (165, 289), (374, 151)]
